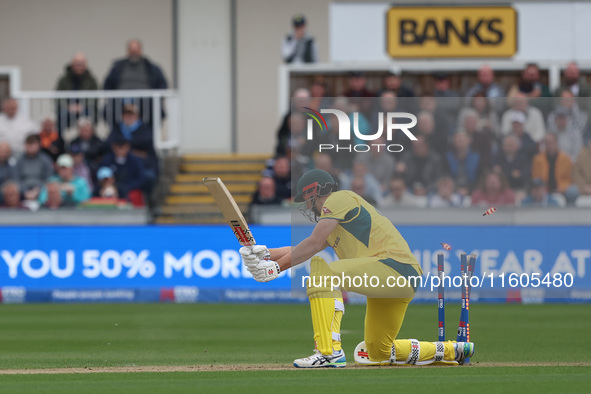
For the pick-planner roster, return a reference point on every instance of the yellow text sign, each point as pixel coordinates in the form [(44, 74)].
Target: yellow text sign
[(452, 32)]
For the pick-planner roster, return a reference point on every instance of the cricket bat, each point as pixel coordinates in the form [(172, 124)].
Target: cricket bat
[(230, 210)]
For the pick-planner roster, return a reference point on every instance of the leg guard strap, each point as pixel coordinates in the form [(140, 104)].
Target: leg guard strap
[(339, 305), (439, 353), (415, 352)]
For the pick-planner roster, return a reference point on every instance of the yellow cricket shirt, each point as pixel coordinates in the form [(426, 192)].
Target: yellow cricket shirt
[(363, 231)]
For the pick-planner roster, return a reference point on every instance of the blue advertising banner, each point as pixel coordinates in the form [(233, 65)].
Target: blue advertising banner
[(202, 263)]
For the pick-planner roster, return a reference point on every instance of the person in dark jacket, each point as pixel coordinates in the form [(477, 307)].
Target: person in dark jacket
[(463, 165), (140, 137), (91, 145), (76, 76), (299, 47), (133, 72), (129, 174)]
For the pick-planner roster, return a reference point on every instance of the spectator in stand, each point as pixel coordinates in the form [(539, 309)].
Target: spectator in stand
[(106, 186), (134, 72), (527, 145), (14, 127), (574, 83), (486, 84), (399, 195), (582, 169), (532, 86), (299, 47), (379, 162), (488, 120), (534, 120), (296, 140), (81, 169), (388, 102), (76, 76), (393, 83), (360, 96), (448, 100), (128, 170), (493, 190), (323, 161), (11, 195), (570, 105), (444, 129), (553, 166), (51, 142), (570, 139), (483, 141), (358, 186), (512, 162), (538, 195), (7, 163), (301, 99), (349, 107), (282, 177), (266, 193), (318, 95), (372, 186), (54, 196), (89, 143), (462, 164), (33, 168), (420, 167), (74, 189), (446, 196), (141, 139), (435, 136)]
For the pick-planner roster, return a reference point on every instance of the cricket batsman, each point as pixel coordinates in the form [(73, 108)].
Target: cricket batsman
[(368, 245)]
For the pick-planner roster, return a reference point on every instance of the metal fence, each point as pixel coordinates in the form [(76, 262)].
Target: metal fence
[(105, 108)]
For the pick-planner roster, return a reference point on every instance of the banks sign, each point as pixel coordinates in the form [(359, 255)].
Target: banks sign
[(438, 32)]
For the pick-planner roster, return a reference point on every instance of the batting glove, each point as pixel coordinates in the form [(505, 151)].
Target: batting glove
[(260, 251), (251, 255), (265, 271)]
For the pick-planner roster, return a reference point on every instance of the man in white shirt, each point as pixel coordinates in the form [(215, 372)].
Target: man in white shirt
[(15, 127), (299, 47), (534, 120)]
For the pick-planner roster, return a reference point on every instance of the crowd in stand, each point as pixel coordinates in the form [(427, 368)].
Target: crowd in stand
[(40, 169), (486, 146)]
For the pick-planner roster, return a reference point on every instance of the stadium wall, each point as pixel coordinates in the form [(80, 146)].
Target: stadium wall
[(41, 36)]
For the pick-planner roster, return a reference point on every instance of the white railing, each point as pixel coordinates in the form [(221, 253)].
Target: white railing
[(106, 107)]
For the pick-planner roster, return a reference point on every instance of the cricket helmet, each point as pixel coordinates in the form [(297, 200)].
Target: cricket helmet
[(314, 183)]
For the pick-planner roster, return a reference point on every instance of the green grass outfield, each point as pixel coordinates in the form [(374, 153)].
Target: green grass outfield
[(211, 348)]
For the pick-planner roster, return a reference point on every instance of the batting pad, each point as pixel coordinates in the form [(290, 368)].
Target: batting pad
[(411, 352), (327, 310)]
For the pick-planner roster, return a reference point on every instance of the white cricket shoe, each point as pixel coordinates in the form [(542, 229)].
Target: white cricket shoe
[(463, 350), (318, 360)]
